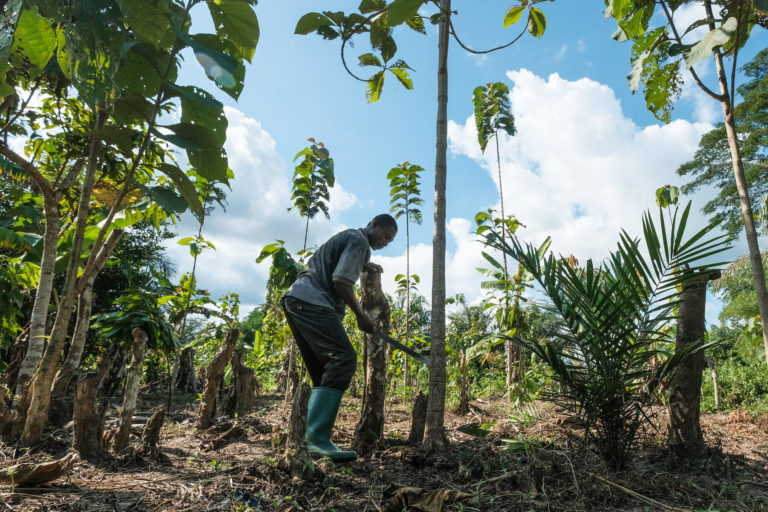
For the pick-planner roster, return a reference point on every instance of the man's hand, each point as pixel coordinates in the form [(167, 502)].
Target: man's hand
[(364, 323), (374, 267)]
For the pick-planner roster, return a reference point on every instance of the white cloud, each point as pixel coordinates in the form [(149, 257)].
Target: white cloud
[(579, 169), (479, 59), (256, 214), (581, 46)]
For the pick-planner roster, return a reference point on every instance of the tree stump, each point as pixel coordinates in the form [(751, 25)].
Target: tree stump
[(684, 435), (6, 417), (151, 434), (185, 379), (296, 459), (131, 395), (371, 427), (419, 419), (89, 423), (214, 373), (242, 397)]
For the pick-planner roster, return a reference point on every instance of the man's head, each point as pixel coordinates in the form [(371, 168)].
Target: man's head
[(381, 230)]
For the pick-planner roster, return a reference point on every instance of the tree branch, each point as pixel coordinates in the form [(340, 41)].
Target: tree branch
[(710, 92), (29, 168), (23, 106), (481, 52)]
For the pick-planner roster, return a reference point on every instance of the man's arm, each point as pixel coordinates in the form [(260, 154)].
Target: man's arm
[(347, 294)]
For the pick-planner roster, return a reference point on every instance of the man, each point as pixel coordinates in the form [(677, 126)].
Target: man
[(314, 307)]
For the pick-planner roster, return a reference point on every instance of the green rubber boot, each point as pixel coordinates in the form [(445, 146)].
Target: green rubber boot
[(321, 415)]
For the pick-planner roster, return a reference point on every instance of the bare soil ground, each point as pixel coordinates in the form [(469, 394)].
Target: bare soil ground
[(543, 466)]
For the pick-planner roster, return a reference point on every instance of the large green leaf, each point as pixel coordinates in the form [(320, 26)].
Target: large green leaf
[(137, 75), (190, 136), (513, 15), (120, 136), (195, 110), (149, 21), (220, 60), (367, 6), (375, 85), (718, 37), (131, 109), (199, 96), (402, 10), (35, 39), (167, 199), (8, 19), (185, 186), (211, 164), (236, 21), (537, 22), (403, 77), (311, 22)]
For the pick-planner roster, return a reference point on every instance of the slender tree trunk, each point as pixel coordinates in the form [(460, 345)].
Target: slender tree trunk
[(207, 410), (40, 387), (75, 353), (715, 384), (132, 383), (684, 427), (434, 437), (463, 407), (511, 351), (406, 367), (39, 319), (741, 186), (370, 429)]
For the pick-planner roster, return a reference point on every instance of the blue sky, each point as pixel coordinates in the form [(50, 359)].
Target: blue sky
[(585, 162)]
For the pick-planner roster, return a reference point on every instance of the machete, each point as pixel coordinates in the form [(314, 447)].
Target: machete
[(402, 347)]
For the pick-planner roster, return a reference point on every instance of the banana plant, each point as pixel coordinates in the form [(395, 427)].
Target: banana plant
[(613, 319)]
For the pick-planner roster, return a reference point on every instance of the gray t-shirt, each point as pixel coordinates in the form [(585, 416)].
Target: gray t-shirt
[(341, 258)]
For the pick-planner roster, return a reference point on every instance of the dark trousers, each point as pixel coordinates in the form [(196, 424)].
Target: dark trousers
[(323, 342)]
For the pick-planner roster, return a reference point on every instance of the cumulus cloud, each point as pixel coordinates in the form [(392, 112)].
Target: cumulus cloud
[(579, 169), (255, 215)]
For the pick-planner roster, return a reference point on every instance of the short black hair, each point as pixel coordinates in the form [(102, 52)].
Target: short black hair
[(385, 220)]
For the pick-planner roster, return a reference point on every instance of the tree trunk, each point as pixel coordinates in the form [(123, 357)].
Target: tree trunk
[(741, 185), (39, 318), (214, 373), (132, 382), (684, 427), (435, 438), (292, 372), (370, 429), (39, 391), (407, 341), (75, 353), (242, 398), (89, 424), (463, 407), (296, 459), (715, 385), (110, 369)]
